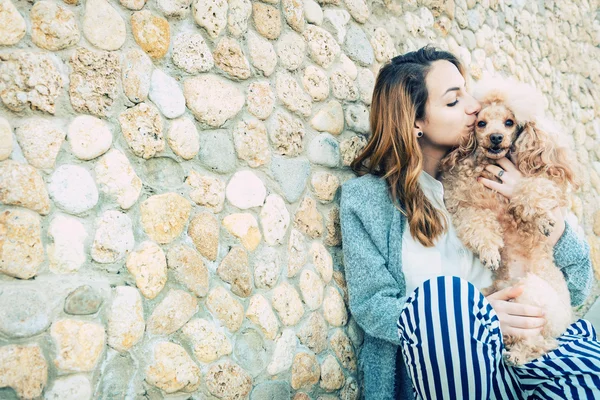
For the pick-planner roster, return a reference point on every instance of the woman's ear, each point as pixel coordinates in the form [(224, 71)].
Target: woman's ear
[(417, 129)]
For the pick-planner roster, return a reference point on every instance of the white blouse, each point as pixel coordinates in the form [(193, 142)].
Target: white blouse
[(448, 257)]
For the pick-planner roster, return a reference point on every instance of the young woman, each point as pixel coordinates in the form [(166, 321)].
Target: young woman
[(413, 287)]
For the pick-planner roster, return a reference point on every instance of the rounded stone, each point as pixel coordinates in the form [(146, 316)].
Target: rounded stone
[(164, 216), (212, 99), (260, 313), (297, 253), (383, 45), (89, 137), (175, 309), (217, 151), (84, 300), (142, 128), (357, 118), (225, 308), (163, 173), (358, 47), (338, 20), (322, 261), (228, 381), (322, 47), (211, 15), (23, 185), (285, 347), (262, 53), (305, 371), (174, 8), (66, 252), (291, 174), (126, 324), (334, 309), (291, 48), (238, 15), (251, 352), (12, 24), (251, 142), (344, 87), (332, 376), (358, 9), (79, 344), (151, 32), (245, 190), (366, 84), (73, 189), (117, 178), (324, 150), (191, 53), (209, 341), (25, 312), (311, 288), (286, 301), (71, 387), (24, 369), (275, 219), (166, 94), (292, 96), (316, 83), (148, 265), (351, 148), (229, 57), (206, 191), (313, 12), (204, 231), (308, 219), (293, 11), (325, 185), (189, 269), (40, 140), (261, 99), (267, 20), (114, 237), (234, 269), (343, 349), (133, 4), (6, 139), (313, 333), (173, 370), (267, 267), (329, 118), (103, 26), (137, 70), (53, 27)]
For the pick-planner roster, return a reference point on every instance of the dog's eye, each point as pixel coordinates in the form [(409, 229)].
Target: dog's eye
[(509, 122), (481, 124)]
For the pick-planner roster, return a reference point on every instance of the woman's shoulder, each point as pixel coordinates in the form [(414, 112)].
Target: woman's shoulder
[(366, 192)]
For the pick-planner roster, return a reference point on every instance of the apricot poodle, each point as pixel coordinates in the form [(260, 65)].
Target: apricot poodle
[(510, 237)]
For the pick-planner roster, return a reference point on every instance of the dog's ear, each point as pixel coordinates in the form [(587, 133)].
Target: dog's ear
[(537, 153), (467, 146)]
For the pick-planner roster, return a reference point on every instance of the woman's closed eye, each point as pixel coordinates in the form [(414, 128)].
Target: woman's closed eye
[(453, 103)]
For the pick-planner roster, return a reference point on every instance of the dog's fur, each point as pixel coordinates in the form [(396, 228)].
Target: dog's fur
[(510, 237)]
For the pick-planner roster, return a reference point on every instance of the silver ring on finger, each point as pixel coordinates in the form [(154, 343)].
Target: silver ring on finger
[(500, 173)]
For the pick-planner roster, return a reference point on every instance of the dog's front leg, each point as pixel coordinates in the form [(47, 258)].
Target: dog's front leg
[(532, 204)]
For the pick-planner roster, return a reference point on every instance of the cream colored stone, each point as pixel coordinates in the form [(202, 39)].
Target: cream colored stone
[(183, 138), (244, 227), (245, 190), (207, 191), (267, 20), (297, 253), (267, 268), (117, 178), (316, 83), (293, 11), (286, 301), (351, 148), (291, 48), (305, 371), (174, 8), (40, 140), (148, 265), (166, 94), (211, 15), (212, 99), (334, 309), (53, 27), (261, 99), (191, 53), (151, 32), (366, 84), (208, 341), (79, 344), (332, 376), (142, 128), (322, 261), (313, 333), (313, 12), (311, 288), (343, 349), (22, 185), (234, 269), (343, 87), (6, 139), (189, 269), (89, 137), (204, 231), (262, 53), (175, 309), (114, 237), (226, 308), (260, 312), (21, 250), (70, 387), (12, 24), (137, 70), (287, 134), (227, 380), (325, 185), (29, 79), (133, 4), (103, 26), (322, 47), (173, 370), (291, 94), (24, 369), (308, 219), (358, 9), (229, 57), (125, 319), (238, 15), (285, 347), (274, 219), (329, 118), (251, 142), (66, 252), (164, 216), (73, 189)]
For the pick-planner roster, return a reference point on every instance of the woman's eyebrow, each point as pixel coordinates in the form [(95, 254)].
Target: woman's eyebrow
[(450, 90)]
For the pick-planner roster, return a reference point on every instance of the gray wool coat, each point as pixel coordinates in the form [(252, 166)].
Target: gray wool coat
[(372, 230)]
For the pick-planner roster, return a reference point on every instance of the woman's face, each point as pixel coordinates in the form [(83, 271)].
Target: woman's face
[(450, 112)]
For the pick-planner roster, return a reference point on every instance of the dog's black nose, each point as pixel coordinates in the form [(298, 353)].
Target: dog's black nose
[(496, 138)]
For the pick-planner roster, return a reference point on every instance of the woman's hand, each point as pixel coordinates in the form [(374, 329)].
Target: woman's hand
[(507, 172), (517, 320)]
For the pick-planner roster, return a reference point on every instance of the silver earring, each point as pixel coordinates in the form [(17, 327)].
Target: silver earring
[(419, 134)]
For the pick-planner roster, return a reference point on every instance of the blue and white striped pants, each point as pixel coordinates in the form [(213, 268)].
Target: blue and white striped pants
[(452, 347)]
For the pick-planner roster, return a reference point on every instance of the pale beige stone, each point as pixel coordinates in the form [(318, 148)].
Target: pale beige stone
[(24, 369), (343, 349), (94, 80), (212, 99), (267, 20), (366, 84), (245, 227), (343, 86), (260, 312), (305, 371), (40, 140), (251, 142), (245, 190), (66, 252), (358, 9), (316, 83), (103, 26), (285, 347), (234, 269), (173, 370), (148, 266), (325, 185), (70, 387), (142, 128), (126, 323), (53, 27), (287, 134), (174, 8), (89, 137), (313, 333), (286, 301), (262, 53), (22, 185), (191, 53), (164, 216), (6, 139), (136, 73), (151, 32), (274, 219), (12, 24), (311, 287), (133, 4), (183, 138), (175, 309), (226, 308), (348, 66), (261, 99), (308, 219), (297, 253), (228, 381), (329, 118), (207, 191), (73, 189), (351, 148), (291, 48), (332, 376), (596, 225), (211, 15), (292, 96), (208, 341), (117, 178), (189, 269), (79, 344), (334, 309), (322, 46), (29, 79), (322, 261), (204, 231), (229, 57), (21, 249), (114, 237), (334, 231), (238, 15), (293, 11)]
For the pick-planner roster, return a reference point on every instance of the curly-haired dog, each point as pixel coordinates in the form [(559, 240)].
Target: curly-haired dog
[(510, 237)]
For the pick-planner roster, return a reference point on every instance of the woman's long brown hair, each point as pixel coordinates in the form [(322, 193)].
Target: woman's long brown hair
[(392, 152)]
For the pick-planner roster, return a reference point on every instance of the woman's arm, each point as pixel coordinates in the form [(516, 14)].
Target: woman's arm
[(374, 297)]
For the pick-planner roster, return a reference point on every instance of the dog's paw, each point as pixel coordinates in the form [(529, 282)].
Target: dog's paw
[(490, 257), (546, 225)]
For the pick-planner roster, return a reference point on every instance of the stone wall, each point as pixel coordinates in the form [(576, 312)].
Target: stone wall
[(169, 224)]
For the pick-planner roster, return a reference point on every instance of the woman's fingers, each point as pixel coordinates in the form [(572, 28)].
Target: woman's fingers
[(521, 310), (498, 187), (518, 332), (507, 293), (507, 165), (516, 321), (496, 170)]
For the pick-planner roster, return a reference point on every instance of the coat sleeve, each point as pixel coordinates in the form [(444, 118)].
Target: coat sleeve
[(374, 296), (572, 257)]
